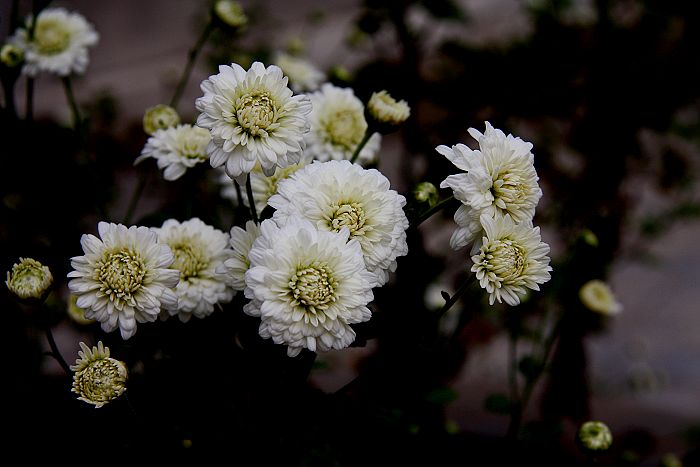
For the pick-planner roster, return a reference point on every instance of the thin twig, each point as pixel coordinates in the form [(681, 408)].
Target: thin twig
[(191, 57), (55, 353), (358, 149), (456, 296), (77, 120), (438, 207), (143, 179), (251, 201)]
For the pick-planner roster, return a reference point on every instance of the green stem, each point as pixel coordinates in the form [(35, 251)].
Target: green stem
[(456, 296), (365, 138), (55, 353), (239, 194), (251, 201), (191, 57), (143, 179), (67, 86), (438, 207)]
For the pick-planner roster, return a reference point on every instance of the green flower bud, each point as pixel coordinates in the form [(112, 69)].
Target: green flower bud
[(594, 436), (159, 117), (29, 279)]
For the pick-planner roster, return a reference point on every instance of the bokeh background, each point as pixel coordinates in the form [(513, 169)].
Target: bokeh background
[(607, 91)]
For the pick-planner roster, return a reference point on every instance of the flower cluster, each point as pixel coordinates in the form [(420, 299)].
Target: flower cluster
[(499, 192)]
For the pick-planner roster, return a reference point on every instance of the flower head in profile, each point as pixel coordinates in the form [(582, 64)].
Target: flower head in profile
[(499, 179), (307, 285), (597, 296), (594, 436), (199, 249), (230, 13), (236, 266), (159, 117), (253, 118), (98, 378), (124, 277), (60, 43), (11, 55), (509, 259), (337, 194), (176, 149), (29, 279), (338, 125), (303, 76), (387, 111)]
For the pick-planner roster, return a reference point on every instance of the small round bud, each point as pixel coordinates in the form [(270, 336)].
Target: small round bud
[(11, 55), (230, 14), (597, 296), (98, 379), (426, 192), (589, 238), (594, 436), (386, 112), (29, 279), (159, 117)]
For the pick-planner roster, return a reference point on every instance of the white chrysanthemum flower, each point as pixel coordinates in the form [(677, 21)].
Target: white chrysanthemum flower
[(253, 117), (176, 149), (385, 109), (303, 76), (60, 43), (338, 125), (263, 187), (98, 378), (236, 266), (336, 195), (307, 286), (29, 279), (159, 117), (124, 277), (199, 249), (510, 259), (500, 179), (597, 296)]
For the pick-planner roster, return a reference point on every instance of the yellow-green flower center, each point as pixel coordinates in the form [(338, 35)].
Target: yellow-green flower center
[(256, 112), (350, 215), (192, 143), (101, 381), (344, 128), (189, 260), (504, 258), (508, 190), (313, 287), (51, 37), (120, 274)]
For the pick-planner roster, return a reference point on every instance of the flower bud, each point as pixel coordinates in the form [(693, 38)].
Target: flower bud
[(426, 192), (11, 55), (230, 14), (29, 279), (597, 296), (98, 379), (385, 112), (594, 436), (159, 117)]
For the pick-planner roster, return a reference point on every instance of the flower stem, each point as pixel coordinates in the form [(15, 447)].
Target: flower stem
[(29, 107), (365, 138), (456, 296), (438, 207), (191, 57), (55, 353), (251, 201), (67, 86), (239, 194), (143, 179), (515, 401)]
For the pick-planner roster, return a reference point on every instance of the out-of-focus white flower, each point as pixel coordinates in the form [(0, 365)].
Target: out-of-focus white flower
[(597, 296), (236, 266), (11, 55), (307, 286), (510, 259), (29, 279), (176, 149), (595, 436), (386, 110), (303, 76), (499, 179), (253, 118), (98, 378), (60, 43), (199, 249), (124, 277), (336, 195), (159, 117), (230, 13), (338, 125)]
